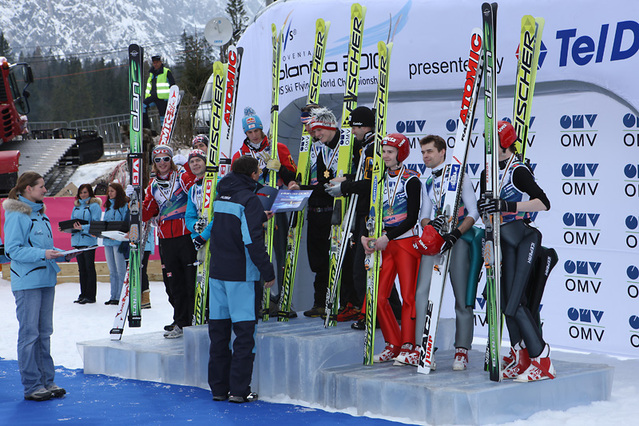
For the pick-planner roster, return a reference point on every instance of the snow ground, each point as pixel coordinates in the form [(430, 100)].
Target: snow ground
[(75, 323)]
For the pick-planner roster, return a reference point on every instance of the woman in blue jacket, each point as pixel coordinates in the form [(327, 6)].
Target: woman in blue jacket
[(29, 246), (86, 207), (116, 209)]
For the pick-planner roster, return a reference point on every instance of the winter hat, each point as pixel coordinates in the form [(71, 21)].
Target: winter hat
[(323, 118), (200, 138), (250, 120), (197, 153), (162, 150), (305, 117), (362, 116), (156, 58)]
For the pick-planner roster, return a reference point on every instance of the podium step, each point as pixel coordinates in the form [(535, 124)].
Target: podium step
[(303, 361)]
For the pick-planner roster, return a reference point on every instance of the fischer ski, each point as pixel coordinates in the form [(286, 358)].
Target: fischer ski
[(374, 223), (208, 190), (452, 191), (135, 159), (296, 223), (529, 47), (492, 250), (341, 224), (172, 107)]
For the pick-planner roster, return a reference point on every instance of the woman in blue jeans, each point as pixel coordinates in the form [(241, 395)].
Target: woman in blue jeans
[(116, 209), (29, 246), (87, 208)]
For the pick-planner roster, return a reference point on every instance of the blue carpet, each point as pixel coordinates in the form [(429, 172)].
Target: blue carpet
[(97, 400)]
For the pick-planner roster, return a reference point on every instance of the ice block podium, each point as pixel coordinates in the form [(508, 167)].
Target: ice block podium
[(302, 361)]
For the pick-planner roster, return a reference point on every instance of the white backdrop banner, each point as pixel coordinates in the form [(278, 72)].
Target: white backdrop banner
[(583, 141)]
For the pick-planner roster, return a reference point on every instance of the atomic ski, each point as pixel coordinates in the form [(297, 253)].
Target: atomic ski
[(492, 250), (529, 47), (175, 96), (374, 223), (340, 224), (135, 158), (303, 164), (208, 190), (232, 81), (452, 187)]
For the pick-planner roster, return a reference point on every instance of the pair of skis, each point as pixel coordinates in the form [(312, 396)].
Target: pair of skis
[(296, 223), (374, 222), (452, 191), (225, 82), (278, 40), (138, 232), (342, 220), (530, 44)]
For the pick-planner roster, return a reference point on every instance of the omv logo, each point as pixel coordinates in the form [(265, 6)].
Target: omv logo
[(581, 267)]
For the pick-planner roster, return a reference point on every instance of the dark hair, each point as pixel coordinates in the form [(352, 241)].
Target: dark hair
[(245, 165), (120, 196), (309, 107), (25, 179), (88, 187), (437, 140)]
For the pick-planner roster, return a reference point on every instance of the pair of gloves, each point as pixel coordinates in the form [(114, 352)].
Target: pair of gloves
[(271, 163), (200, 225), (450, 238)]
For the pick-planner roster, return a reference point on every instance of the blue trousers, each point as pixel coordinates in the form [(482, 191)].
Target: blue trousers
[(34, 309), (231, 306), (117, 270)]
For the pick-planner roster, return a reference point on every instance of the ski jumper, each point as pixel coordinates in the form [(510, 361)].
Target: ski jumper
[(323, 168), (460, 257), (402, 193), (166, 198), (519, 245), (238, 259)]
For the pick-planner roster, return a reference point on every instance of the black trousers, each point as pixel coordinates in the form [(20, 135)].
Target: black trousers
[(178, 256), (230, 372), (317, 247), (88, 276)]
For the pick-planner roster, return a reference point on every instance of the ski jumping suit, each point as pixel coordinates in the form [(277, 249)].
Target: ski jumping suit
[(238, 259), (519, 246), (402, 192), (460, 258), (284, 176), (166, 197)]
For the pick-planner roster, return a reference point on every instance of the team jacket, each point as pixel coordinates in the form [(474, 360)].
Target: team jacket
[(287, 170), (166, 198), (194, 208), (28, 235), (89, 210), (238, 252), (112, 214)]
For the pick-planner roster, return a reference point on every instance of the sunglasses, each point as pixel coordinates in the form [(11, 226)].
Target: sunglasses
[(165, 159)]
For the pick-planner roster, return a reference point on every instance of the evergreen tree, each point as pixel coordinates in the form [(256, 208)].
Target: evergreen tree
[(239, 20), (5, 48), (195, 64)]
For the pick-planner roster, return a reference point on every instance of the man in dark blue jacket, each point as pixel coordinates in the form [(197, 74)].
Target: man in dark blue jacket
[(238, 259)]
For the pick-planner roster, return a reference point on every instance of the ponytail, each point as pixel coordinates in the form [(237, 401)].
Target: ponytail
[(25, 179)]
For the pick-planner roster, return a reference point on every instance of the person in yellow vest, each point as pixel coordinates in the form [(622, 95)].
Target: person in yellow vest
[(157, 90)]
